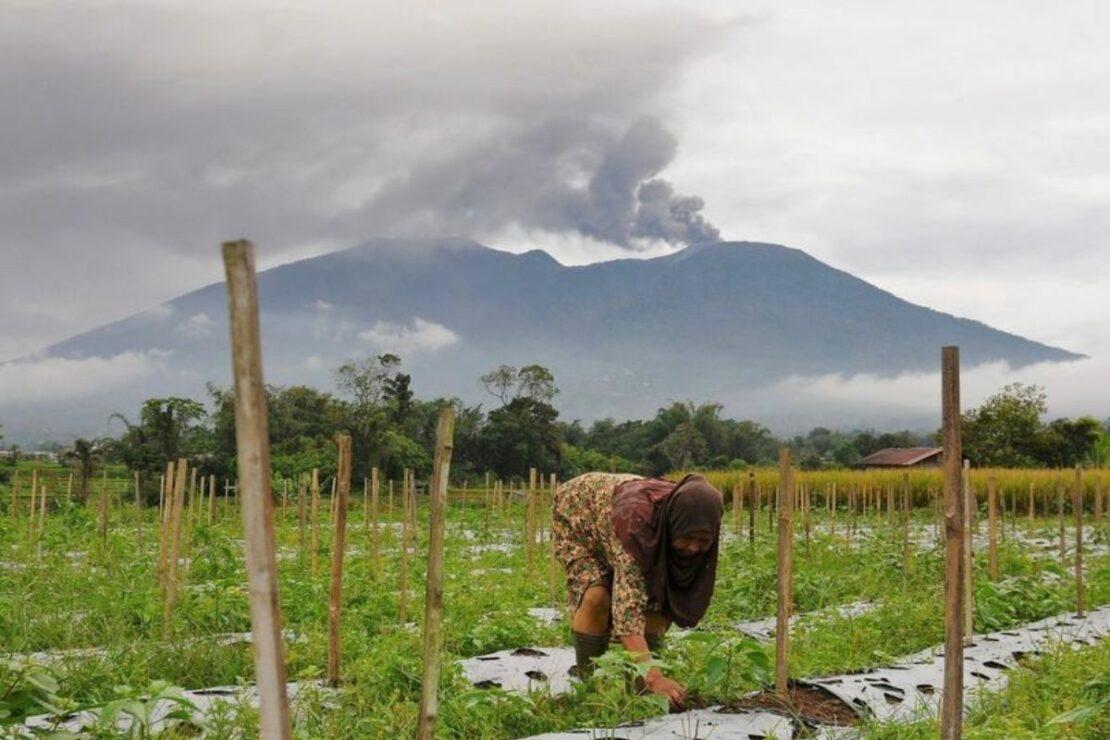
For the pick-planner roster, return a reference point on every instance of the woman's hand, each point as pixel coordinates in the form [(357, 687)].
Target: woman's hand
[(659, 684)]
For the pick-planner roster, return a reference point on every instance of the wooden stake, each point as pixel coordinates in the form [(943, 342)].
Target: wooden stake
[(905, 523), (969, 563), (530, 518), (138, 512), (736, 506), (785, 564), (1060, 520), (433, 600), (343, 488), (376, 534), (1032, 508), (164, 523), (104, 508), (992, 528), (955, 503), (315, 518), (753, 507), (253, 447), (14, 508), (34, 495), (174, 547), (211, 499), (403, 588), (1077, 504)]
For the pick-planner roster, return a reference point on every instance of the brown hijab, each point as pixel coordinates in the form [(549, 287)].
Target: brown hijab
[(648, 514)]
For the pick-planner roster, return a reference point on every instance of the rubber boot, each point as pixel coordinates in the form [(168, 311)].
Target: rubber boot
[(586, 648)]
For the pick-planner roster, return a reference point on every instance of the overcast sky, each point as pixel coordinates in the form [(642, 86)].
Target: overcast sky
[(954, 153)]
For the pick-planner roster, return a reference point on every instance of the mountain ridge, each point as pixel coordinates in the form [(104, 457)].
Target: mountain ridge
[(712, 321)]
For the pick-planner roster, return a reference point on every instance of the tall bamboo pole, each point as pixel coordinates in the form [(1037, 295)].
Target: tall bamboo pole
[(1032, 508), (955, 503), (785, 564), (1060, 521), (314, 519), (433, 600), (968, 569), (14, 508), (403, 587), (211, 499), (753, 507), (992, 528), (1077, 504), (375, 532), (252, 444), (104, 508), (343, 488), (174, 547), (905, 523), (34, 495), (138, 512), (164, 522)]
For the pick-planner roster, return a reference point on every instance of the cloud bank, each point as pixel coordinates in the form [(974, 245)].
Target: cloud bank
[(54, 379)]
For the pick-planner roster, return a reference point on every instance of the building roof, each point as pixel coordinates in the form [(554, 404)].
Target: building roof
[(901, 456)]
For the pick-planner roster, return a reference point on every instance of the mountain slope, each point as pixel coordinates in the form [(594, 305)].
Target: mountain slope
[(622, 337)]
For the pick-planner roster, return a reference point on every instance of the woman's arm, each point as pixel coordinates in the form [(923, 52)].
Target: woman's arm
[(655, 681)]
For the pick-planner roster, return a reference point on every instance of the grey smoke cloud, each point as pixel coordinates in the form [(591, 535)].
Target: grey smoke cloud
[(138, 135), (562, 175)]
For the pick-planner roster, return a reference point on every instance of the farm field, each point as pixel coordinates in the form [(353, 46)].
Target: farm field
[(85, 639)]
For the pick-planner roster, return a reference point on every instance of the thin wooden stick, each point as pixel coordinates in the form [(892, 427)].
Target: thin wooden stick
[(403, 587), (1060, 520), (174, 547), (753, 507), (314, 518), (42, 520), (104, 508), (376, 534), (1077, 504), (14, 509), (1032, 508), (211, 499), (164, 522), (34, 495), (968, 569), (433, 600), (905, 523), (343, 487), (138, 512), (252, 443), (992, 528), (955, 503), (785, 564)]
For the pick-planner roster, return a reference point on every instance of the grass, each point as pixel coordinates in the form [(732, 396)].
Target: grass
[(85, 593)]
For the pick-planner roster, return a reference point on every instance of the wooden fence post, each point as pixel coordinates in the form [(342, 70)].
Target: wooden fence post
[(785, 571), (955, 503), (375, 533), (403, 587), (14, 509), (343, 488), (253, 448), (103, 509), (139, 512), (433, 600)]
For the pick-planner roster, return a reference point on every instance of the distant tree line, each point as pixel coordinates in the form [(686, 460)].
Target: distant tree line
[(392, 429)]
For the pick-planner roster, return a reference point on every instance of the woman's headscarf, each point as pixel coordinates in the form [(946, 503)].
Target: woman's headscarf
[(648, 516)]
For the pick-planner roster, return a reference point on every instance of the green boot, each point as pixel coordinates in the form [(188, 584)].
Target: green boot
[(586, 648)]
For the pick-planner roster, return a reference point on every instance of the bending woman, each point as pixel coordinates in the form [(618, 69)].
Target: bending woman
[(640, 554)]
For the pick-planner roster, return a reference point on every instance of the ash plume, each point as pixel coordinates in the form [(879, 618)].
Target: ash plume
[(562, 176)]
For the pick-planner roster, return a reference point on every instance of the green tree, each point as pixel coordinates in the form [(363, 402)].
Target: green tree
[(506, 383), (1004, 431), (684, 447), (522, 434), (85, 456), (168, 428)]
